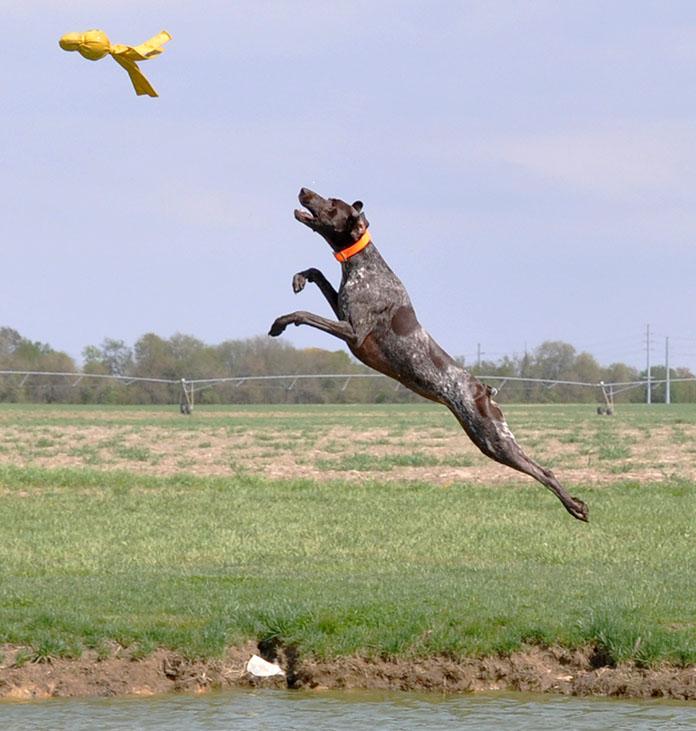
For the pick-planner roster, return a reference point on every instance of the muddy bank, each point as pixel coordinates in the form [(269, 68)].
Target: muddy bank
[(535, 670)]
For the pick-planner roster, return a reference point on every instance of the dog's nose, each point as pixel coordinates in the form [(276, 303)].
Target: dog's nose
[(305, 194)]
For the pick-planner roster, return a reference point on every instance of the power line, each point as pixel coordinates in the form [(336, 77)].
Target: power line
[(648, 390)]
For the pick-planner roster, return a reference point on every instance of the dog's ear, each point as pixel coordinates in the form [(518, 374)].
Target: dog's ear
[(357, 207)]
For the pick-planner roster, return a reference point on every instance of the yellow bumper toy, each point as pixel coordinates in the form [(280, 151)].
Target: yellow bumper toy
[(95, 44)]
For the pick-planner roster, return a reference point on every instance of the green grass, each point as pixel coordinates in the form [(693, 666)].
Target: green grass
[(613, 451), (134, 453), (335, 568), (90, 455), (363, 462), (92, 555)]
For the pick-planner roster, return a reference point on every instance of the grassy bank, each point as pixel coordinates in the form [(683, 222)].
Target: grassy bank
[(339, 567)]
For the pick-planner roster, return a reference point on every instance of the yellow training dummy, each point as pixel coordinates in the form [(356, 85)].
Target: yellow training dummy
[(94, 44)]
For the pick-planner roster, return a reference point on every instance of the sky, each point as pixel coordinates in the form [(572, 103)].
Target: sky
[(528, 169)]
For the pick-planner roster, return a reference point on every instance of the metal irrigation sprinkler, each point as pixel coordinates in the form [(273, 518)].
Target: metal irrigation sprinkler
[(186, 397), (608, 393)]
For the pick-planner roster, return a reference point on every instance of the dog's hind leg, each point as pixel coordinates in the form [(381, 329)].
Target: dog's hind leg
[(510, 453), (338, 328), (315, 276), (485, 424)]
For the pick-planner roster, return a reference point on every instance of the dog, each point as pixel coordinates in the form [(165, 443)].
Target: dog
[(376, 320)]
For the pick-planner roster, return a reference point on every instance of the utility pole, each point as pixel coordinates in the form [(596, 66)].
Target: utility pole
[(648, 393), (478, 355), (668, 395)]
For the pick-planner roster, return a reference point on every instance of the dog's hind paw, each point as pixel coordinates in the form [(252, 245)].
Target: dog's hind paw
[(579, 510)]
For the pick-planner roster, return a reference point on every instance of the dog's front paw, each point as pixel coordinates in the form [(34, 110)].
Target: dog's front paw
[(278, 327), (298, 282)]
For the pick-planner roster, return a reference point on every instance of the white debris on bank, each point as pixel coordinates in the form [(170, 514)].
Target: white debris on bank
[(261, 668)]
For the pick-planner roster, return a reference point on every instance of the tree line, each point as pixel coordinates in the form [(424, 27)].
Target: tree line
[(185, 356)]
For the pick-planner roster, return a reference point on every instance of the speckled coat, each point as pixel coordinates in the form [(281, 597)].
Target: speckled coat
[(378, 323)]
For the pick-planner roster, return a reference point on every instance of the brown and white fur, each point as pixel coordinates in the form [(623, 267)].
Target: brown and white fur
[(376, 320)]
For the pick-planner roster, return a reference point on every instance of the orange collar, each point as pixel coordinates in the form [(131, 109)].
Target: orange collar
[(355, 248)]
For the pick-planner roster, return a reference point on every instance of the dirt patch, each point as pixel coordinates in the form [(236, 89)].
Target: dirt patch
[(377, 454), (538, 670), (366, 445), (535, 670), (120, 674)]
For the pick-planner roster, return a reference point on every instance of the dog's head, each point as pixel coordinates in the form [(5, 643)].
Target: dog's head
[(340, 223)]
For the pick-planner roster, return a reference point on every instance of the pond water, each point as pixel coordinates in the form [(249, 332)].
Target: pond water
[(286, 711)]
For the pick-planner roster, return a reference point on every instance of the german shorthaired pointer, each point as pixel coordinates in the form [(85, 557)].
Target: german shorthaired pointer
[(377, 322)]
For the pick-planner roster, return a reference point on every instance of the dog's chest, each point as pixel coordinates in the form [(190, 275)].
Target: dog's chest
[(368, 293)]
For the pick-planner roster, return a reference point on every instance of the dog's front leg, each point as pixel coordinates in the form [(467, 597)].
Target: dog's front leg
[(340, 329), (315, 276)]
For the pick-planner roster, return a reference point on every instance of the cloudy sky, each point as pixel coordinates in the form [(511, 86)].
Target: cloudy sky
[(528, 168)]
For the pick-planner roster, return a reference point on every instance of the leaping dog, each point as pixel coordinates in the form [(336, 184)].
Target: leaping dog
[(378, 323)]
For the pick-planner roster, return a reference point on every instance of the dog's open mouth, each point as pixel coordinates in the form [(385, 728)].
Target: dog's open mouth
[(306, 217), (313, 205)]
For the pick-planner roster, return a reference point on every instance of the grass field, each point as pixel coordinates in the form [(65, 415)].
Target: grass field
[(377, 530)]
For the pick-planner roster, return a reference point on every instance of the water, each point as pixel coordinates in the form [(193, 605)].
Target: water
[(349, 711)]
